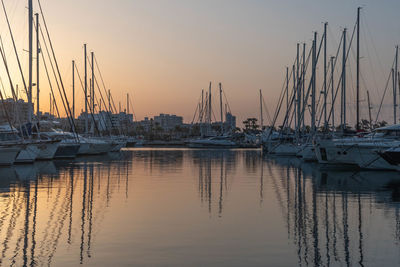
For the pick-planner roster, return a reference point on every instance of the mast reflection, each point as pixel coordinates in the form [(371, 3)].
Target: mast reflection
[(325, 209), (47, 205), (216, 169)]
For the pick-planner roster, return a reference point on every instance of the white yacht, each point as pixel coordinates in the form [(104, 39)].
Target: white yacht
[(97, 145), (28, 149), (47, 148), (29, 153), (8, 154), (281, 144), (307, 152), (364, 152), (119, 143), (212, 142), (68, 145), (391, 156)]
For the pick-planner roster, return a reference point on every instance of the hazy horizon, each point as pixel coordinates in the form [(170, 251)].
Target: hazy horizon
[(164, 52)]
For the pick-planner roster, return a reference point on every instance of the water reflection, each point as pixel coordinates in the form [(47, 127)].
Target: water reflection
[(214, 168), (213, 206), (40, 203), (329, 213)]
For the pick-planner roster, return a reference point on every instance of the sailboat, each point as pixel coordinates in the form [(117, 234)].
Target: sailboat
[(210, 139), (367, 151)]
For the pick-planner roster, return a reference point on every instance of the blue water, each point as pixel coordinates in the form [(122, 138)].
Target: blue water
[(180, 207)]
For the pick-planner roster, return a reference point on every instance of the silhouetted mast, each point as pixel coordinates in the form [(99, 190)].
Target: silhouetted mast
[(51, 105), (92, 86), (30, 20), (369, 111), (287, 90), (202, 113), (358, 70), (303, 84), (86, 93), (298, 91), (313, 88), (294, 99), (220, 105), (395, 84), (37, 66), (73, 89), (333, 94), (209, 104), (343, 109), (261, 112), (127, 103), (325, 68), (109, 102)]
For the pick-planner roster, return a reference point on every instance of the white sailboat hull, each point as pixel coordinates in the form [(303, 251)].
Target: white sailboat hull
[(84, 148), (307, 152), (99, 148), (285, 149), (118, 146), (8, 154), (209, 143), (332, 152), (28, 154), (369, 158), (47, 150)]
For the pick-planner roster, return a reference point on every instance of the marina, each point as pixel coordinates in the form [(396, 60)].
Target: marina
[(286, 152)]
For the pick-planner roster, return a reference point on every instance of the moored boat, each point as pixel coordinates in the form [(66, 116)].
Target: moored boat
[(212, 142)]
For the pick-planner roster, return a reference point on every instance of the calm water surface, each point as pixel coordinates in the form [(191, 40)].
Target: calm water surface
[(178, 207)]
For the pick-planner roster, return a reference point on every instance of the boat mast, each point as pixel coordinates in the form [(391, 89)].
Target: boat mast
[(127, 103), (86, 93), (92, 85), (51, 112), (325, 68), (30, 19), (202, 105), (109, 102), (303, 84), (298, 91), (37, 66), (294, 99), (73, 89), (369, 111), (313, 88), (395, 84), (333, 95), (343, 104), (392, 73), (358, 70), (209, 105), (220, 104), (261, 112), (287, 90)]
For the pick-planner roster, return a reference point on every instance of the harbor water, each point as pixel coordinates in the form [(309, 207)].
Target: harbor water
[(183, 207)]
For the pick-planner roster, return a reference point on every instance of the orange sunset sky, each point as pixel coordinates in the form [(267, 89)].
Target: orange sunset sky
[(164, 52)]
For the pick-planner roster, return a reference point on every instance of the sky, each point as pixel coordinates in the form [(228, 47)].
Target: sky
[(164, 52)]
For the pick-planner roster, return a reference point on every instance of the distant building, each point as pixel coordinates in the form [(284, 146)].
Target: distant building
[(144, 124), (106, 120), (14, 111), (230, 121), (168, 122)]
